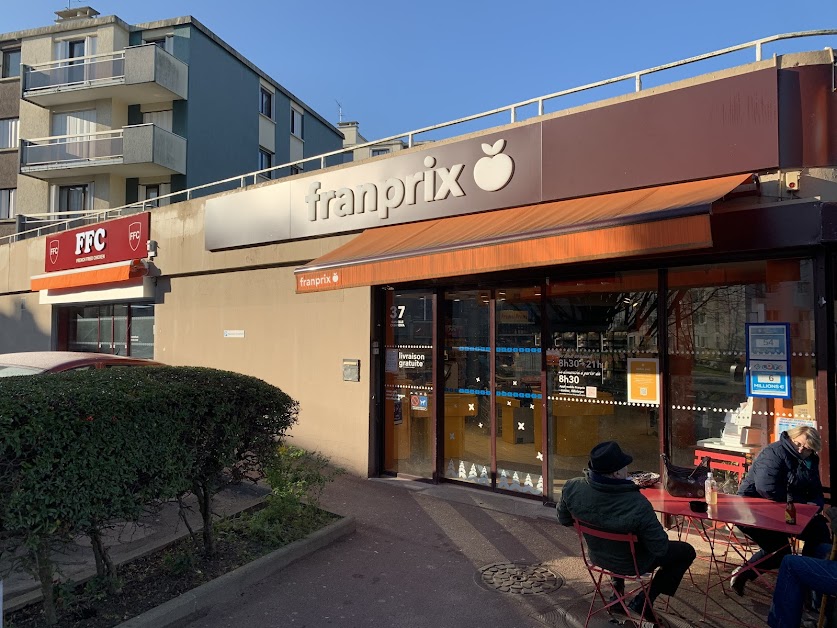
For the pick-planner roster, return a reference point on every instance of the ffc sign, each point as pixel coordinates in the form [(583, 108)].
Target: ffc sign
[(112, 241)]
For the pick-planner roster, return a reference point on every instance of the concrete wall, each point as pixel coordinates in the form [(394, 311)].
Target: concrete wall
[(24, 324), (296, 342)]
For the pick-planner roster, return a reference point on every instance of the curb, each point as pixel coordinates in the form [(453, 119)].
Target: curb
[(232, 585)]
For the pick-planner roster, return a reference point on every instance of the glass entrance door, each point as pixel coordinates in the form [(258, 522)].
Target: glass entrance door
[(493, 427), (409, 425), (468, 427), (517, 390)]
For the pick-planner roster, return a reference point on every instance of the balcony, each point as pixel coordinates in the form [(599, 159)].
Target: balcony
[(144, 150), (136, 75)]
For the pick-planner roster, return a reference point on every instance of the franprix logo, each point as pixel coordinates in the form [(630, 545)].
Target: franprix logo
[(494, 172), (53, 250), (134, 233), (324, 280), (437, 183)]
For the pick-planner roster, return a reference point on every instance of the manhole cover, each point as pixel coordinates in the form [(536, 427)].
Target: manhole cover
[(520, 578)]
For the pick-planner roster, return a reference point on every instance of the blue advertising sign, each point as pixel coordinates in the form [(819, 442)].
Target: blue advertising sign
[(768, 360)]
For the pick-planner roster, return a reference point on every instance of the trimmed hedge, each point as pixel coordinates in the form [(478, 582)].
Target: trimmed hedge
[(81, 449)]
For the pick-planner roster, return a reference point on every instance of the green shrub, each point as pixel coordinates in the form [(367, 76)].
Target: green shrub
[(83, 449)]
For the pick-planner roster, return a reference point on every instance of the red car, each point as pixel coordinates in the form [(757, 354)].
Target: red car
[(36, 362)]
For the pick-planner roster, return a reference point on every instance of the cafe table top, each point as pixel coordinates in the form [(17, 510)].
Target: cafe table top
[(734, 509)]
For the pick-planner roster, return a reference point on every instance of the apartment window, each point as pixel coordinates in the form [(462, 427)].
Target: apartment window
[(75, 49), (266, 103), (166, 43), (150, 193), (377, 152), (9, 133), (7, 203), (73, 198), (11, 62), (296, 122), (265, 162), (163, 119)]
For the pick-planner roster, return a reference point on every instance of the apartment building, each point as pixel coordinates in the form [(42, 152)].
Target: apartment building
[(352, 137), (96, 113)]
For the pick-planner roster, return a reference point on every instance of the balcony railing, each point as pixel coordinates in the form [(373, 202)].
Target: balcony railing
[(91, 70), (66, 150), (135, 150), (125, 74)]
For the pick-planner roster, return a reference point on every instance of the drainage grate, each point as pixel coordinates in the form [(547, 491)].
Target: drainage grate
[(520, 578)]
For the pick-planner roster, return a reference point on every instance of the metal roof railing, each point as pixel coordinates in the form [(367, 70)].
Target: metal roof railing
[(259, 175)]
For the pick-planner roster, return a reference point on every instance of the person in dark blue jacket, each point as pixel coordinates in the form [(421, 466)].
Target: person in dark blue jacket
[(790, 465)]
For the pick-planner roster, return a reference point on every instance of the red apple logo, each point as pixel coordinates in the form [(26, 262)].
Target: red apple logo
[(493, 172)]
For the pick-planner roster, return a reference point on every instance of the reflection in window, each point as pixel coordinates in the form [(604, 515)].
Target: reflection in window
[(602, 371), (408, 383), (708, 309), (467, 353), (120, 329)]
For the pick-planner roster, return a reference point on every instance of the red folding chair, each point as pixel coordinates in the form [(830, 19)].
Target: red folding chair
[(597, 573)]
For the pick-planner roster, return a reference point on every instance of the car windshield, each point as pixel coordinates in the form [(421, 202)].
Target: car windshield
[(9, 370)]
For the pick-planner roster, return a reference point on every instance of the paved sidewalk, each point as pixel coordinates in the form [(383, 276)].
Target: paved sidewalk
[(414, 561)]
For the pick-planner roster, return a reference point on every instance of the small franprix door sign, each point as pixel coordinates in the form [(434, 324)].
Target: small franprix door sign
[(99, 243)]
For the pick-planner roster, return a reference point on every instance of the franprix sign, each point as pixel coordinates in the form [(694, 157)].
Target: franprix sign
[(98, 243), (480, 174)]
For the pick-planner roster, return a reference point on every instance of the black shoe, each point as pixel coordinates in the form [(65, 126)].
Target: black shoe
[(740, 576), (636, 605)]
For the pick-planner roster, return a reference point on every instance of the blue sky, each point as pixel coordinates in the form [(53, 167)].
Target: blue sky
[(397, 66)]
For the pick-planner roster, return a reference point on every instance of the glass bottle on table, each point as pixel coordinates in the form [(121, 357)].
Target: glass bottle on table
[(711, 490), (790, 511)]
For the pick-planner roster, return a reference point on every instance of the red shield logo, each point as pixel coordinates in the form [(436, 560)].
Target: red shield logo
[(134, 232), (53, 251)]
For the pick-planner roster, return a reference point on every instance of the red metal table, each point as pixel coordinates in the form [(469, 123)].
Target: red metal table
[(730, 510)]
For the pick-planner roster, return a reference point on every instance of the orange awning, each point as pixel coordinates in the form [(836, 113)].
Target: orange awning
[(636, 222), (89, 276)]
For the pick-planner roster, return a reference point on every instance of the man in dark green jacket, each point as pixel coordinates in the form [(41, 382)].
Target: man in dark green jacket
[(607, 500)]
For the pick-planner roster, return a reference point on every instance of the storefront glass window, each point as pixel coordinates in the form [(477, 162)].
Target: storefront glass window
[(120, 329), (467, 428), (141, 331), (519, 398), (603, 371), (409, 423), (735, 384)]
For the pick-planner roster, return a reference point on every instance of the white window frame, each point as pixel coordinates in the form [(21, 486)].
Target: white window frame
[(163, 118), (297, 122), (56, 192), (263, 90), (9, 133), (81, 122), (3, 63), (163, 189), (270, 155), (168, 42), (7, 203)]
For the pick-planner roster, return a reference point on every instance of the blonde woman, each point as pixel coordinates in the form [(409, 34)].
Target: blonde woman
[(791, 465)]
